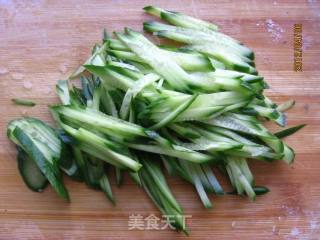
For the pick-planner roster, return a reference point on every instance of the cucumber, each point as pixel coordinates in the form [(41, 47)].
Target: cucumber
[(289, 131), (176, 151), (180, 19), (173, 115), (30, 172), (43, 146), (228, 58), (152, 55)]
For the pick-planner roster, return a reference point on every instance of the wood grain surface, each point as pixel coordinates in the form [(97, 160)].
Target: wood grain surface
[(42, 41)]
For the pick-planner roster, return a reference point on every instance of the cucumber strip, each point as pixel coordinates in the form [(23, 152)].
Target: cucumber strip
[(212, 179), (136, 178), (260, 190), (231, 178), (178, 111), (197, 183), (286, 106), (205, 100), (68, 164), (289, 131), (212, 83), (211, 136), (126, 56), (178, 152), (160, 200), (234, 74), (100, 121), (189, 114), (240, 179), (195, 37), (228, 58), (23, 102), (180, 19), (62, 90), (210, 146), (270, 113), (119, 176), (184, 131), (98, 153), (243, 165), (126, 70), (216, 64), (230, 108), (87, 89), (30, 172), (167, 165), (289, 154), (110, 77), (117, 45), (250, 149), (94, 171), (191, 61), (198, 36), (248, 128), (108, 104), (269, 103), (203, 178), (106, 188), (256, 152), (173, 167), (244, 117), (161, 183), (151, 54), (126, 66), (132, 92), (230, 134), (101, 144)]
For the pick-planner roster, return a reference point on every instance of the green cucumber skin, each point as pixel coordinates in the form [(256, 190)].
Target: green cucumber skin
[(51, 171), (24, 164), (43, 146)]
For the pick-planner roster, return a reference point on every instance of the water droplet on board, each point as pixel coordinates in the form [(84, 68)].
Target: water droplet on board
[(233, 224), (24, 112), (48, 91), (275, 230), (63, 68), (3, 70), (27, 85), (17, 76)]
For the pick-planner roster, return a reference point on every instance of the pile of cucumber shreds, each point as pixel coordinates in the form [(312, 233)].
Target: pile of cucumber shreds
[(146, 109)]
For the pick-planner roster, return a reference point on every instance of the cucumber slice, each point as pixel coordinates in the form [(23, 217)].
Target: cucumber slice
[(30, 172), (43, 146)]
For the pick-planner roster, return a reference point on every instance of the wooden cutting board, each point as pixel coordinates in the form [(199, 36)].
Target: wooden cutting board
[(43, 41)]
